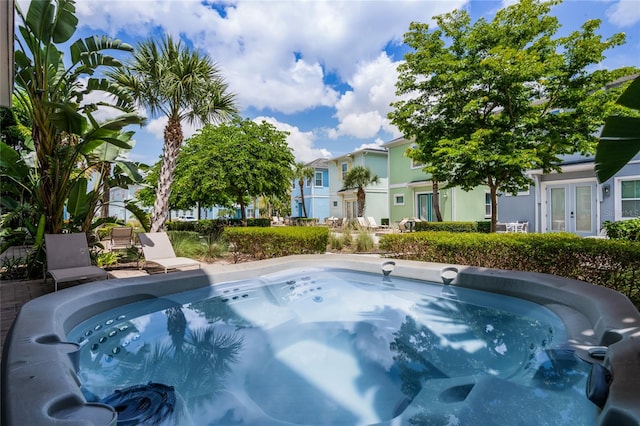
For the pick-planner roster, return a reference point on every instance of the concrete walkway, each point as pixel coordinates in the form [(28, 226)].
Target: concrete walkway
[(14, 294)]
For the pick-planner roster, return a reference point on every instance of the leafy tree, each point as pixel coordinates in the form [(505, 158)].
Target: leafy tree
[(233, 162), (50, 88), (487, 101), (620, 137), (358, 178), (302, 172), (171, 79)]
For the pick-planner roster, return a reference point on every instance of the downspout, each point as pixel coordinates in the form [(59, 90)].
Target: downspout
[(537, 202)]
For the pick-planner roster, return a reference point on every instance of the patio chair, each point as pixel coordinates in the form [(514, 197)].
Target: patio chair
[(373, 224), (402, 225), (121, 237), (362, 222), (68, 259), (158, 249)]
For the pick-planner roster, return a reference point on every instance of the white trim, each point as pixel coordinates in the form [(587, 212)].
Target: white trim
[(395, 199), (490, 205), (537, 203), (7, 29), (543, 198), (566, 169), (617, 202), (420, 183), (398, 185), (413, 165)]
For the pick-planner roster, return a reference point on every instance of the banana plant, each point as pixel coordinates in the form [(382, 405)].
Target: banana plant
[(620, 137), (55, 86)]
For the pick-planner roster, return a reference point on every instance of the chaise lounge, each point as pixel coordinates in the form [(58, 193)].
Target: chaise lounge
[(158, 249)]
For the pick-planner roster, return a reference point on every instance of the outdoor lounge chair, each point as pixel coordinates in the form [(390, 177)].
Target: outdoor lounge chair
[(68, 259), (362, 222), (158, 249), (121, 238), (373, 224)]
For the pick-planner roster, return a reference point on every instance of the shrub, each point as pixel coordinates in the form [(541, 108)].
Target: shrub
[(610, 263), (484, 226), (364, 242), (446, 226), (105, 259), (266, 243), (336, 242), (195, 246), (347, 237), (623, 230), (209, 227)]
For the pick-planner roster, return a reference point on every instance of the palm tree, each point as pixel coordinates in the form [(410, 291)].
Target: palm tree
[(303, 172), (358, 178), (169, 78)]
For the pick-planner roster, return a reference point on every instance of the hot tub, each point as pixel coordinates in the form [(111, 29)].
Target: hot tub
[(47, 373)]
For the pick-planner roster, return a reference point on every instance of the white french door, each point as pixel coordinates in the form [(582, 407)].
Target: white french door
[(571, 208)]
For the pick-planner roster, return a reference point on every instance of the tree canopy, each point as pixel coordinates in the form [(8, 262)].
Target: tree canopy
[(358, 178), (181, 83), (232, 162), (487, 101)]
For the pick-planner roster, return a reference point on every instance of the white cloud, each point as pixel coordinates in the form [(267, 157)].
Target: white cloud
[(624, 13), (362, 111), (275, 54), (157, 125), (376, 144), (300, 142)]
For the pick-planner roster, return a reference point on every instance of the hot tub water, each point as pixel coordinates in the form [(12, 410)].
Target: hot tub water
[(334, 347)]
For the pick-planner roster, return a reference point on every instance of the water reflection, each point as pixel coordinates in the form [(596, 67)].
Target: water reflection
[(462, 363), (357, 355), (196, 361)]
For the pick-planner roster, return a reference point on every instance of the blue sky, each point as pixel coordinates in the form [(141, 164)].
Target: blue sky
[(323, 70)]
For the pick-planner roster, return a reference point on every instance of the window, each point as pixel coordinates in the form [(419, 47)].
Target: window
[(630, 198), (308, 182), (344, 168), (416, 164), (318, 178), (398, 200), (335, 204), (487, 204)]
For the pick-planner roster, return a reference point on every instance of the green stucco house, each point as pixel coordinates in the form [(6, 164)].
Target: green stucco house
[(411, 192)]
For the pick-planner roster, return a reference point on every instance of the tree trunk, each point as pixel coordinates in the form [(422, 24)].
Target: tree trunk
[(361, 200), (172, 142), (106, 191), (493, 192), (436, 201), (304, 207), (243, 213)]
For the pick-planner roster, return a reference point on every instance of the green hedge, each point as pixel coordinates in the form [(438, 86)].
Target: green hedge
[(207, 227), (447, 226), (484, 226), (624, 229), (260, 222), (609, 263), (266, 243)]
